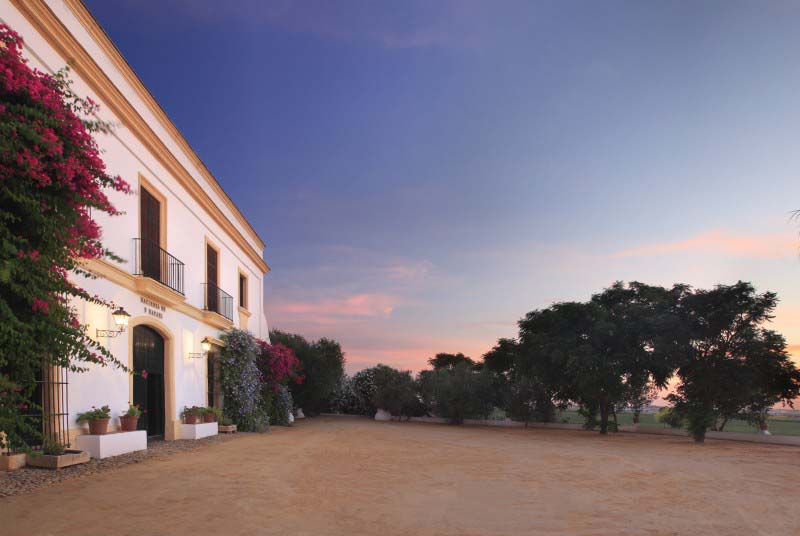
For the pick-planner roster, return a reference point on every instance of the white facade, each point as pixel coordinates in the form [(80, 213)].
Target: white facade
[(147, 151)]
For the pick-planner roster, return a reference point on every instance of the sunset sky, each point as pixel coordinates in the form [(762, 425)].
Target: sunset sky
[(425, 173)]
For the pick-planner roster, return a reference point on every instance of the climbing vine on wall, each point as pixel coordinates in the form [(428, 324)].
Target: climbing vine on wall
[(52, 182)]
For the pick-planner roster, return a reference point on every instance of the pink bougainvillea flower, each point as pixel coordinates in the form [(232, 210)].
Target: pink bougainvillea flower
[(145, 374), (40, 306)]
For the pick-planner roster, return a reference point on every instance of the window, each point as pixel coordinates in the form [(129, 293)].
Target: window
[(212, 291), (242, 290), (150, 233)]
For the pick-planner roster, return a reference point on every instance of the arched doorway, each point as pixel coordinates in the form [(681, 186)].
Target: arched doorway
[(148, 389)]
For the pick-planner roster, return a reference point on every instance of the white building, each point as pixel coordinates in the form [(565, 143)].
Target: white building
[(194, 265)]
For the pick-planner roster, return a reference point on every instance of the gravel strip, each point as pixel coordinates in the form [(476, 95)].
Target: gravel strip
[(29, 478)]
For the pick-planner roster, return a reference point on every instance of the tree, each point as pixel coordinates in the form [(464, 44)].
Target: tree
[(643, 321), (732, 364), (596, 354), (457, 393), (344, 399), (321, 364), (52, 182), (522, 393), (444, 361), (774, 378), (364, 388), (639, 392), (395, 391)]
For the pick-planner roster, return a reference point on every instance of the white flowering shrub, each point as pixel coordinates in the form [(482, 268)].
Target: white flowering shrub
[(241, 381), (282, 405)]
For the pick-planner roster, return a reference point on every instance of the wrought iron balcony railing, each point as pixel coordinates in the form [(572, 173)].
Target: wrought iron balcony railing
[(151, 261), (218, 300)]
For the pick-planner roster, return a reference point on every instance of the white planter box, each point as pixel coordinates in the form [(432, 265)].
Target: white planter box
[(114, 444), (198, 431)]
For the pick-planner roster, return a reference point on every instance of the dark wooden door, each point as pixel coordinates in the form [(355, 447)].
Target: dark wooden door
[(214, 391), (151, 235), (212, 293), (148, 354)]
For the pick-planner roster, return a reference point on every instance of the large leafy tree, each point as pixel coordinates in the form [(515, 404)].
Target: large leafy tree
[(732, 364), (522, 393), (458, 392), (600, 353), (52, 182), (321, 365), (396, 392)]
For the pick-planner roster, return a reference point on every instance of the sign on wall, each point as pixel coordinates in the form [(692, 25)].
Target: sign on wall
[(152, 308)]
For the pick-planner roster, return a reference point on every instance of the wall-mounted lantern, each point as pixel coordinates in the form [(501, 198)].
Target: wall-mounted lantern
[(121, 318), (205, 345)]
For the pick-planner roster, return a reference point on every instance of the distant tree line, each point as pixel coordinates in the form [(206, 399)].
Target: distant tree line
[(614, 351)]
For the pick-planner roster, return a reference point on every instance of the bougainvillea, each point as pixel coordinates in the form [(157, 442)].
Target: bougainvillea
[(278, 365), (242, 382), (52, 180)]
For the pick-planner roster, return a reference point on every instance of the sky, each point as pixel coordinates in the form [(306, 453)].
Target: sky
[(424, 173)]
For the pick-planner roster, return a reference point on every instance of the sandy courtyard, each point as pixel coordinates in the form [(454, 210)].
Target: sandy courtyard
[(355, 476)]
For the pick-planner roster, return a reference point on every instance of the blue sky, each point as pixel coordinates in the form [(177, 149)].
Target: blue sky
[(425, 173)]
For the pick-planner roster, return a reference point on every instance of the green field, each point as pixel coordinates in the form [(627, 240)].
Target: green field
[(777, 425)]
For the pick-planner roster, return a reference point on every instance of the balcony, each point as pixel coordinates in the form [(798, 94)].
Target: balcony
[(153, 264), (218, 301)]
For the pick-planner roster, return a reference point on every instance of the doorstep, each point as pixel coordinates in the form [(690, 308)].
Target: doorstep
[(113, 444), (199, 431)]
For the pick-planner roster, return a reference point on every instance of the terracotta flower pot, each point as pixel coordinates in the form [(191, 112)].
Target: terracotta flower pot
[(190, 418), (764, 427), (209, 417), (128, 423), (98, 426)]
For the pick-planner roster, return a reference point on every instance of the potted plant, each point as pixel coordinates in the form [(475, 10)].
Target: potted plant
[(97, 418), (226, 425), (130, 419), (191, 415), (212, 414)]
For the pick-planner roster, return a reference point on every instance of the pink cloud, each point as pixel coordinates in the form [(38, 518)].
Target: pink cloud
[(774, 245), (334, 310), (410, 355)]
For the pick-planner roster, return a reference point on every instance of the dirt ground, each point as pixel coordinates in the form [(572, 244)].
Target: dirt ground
[(354, 476)]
